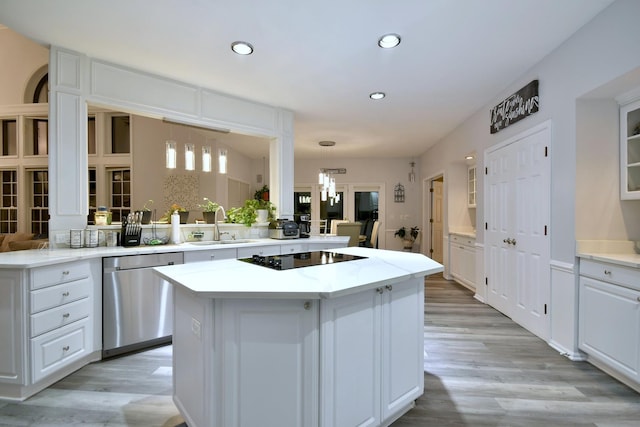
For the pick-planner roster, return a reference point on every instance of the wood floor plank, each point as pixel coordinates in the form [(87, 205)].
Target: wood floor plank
[(481, 369)]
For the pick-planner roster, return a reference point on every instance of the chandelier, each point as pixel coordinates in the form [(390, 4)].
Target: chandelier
[(328, 182)]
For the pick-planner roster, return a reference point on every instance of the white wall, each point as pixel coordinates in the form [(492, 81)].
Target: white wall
[(598, 53)]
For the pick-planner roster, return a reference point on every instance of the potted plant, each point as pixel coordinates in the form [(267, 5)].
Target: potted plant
[(246, 214), (266, 210), (262, 194), (407, 236), (184, 214), (146, 212), (209, 209)]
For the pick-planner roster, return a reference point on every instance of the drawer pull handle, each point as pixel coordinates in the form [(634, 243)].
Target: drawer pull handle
[(307, 305), (65, 316), (65, 294), (607, 272), (65, 273), (389, 287), (638, 299), (379, 290), (65, 348)]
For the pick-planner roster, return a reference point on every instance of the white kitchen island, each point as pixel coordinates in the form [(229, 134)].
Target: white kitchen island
[(340, 344)]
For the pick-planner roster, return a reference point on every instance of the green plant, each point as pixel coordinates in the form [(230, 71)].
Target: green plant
[(174, 207), (402, 233), (262, 194), (248, 213), (145, 207), (209, 206)]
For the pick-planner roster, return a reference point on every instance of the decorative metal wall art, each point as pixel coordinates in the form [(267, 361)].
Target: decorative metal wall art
[(398, 193)]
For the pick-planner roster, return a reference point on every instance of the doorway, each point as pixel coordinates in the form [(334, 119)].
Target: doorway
[(436, 222)]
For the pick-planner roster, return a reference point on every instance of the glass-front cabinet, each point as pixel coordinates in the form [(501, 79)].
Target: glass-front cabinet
[(630, 151)]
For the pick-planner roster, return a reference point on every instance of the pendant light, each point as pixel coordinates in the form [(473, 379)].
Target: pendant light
[(171, 156), (189, 157), (206, 158), (222, 161)]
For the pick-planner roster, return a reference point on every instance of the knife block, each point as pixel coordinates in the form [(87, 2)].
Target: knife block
[(130, 234)]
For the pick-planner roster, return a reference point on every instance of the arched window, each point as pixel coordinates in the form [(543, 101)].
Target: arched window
[(37, 88), (41, 92)]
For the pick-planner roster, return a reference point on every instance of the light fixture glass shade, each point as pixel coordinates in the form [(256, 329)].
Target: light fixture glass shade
[(189, 157), (412, 174), (320, 177), (206, 158), (170, 151), (222, 161)]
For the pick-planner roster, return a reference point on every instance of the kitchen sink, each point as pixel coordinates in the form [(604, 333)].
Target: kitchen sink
[(232, 241), (205, 243)]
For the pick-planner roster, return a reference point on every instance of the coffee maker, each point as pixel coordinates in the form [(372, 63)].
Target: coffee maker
[(304, 224)]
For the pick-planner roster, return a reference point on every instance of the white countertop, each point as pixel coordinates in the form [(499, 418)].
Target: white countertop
[(464, 233), (238, 279), (41, 257), (618, 252)]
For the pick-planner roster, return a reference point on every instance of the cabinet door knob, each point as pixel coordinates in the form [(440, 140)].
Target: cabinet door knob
[(513, 242), (379, 290), (638, 299), (389, 287), (307, 305)]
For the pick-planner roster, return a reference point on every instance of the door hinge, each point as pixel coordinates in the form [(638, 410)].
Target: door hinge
[(486, 281), (486, 225), (545, 309), (486, 170), (545, 230), (546, 151), (431, 220), (430, 251), (431, 190)]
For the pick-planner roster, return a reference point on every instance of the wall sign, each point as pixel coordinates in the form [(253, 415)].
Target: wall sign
[(515, 108)]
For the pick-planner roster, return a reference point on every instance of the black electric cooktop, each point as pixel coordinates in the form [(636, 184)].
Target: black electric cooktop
[(302, 259)]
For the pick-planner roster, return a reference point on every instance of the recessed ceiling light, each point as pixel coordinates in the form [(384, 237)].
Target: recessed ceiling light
[(388, 41), (377, 95), (242, 48)]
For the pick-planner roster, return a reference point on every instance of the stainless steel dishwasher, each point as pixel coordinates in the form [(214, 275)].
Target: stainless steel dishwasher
[(137, 304)]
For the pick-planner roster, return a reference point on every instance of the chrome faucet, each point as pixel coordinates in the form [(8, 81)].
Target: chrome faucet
[(216, 229)]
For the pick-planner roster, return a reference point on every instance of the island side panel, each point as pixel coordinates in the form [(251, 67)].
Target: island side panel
[(194, 358), (270, 362)]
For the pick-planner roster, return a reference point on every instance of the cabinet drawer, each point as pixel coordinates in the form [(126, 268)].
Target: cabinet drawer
[(259, 250), (209, 255), (63, 315), (628, 277), (292, 249), (53, 296), (59, 348), (59, 273), (462, 240)]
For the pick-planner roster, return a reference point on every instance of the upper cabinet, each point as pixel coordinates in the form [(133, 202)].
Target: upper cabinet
[(630, 151), (471, 187)]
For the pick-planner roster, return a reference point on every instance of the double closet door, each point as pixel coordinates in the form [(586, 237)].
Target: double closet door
[(517, 213)]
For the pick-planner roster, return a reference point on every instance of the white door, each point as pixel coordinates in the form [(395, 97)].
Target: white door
[(436, 220), (518, 215)]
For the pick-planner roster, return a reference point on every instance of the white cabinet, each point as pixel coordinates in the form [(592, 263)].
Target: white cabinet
[(245, 362), (210, 255), (47, 325), (630, 151), (471, 187), (371, 355), (609, 317), (462, 259)]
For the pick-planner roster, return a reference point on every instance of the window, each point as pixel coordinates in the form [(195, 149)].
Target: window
[(36, 136), (9, 137), (40, 202), (120, 193), (41, 92), (91, 135), (8, 201), (93, 195), (331, 210), (120, 143)]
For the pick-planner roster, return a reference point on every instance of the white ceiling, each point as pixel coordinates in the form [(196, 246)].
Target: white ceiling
[(320, 59)]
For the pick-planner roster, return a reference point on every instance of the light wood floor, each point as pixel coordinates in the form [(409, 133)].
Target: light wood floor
[(481, 369)]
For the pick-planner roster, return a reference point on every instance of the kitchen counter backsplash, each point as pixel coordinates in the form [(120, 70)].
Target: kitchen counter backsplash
[(188, 233)]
